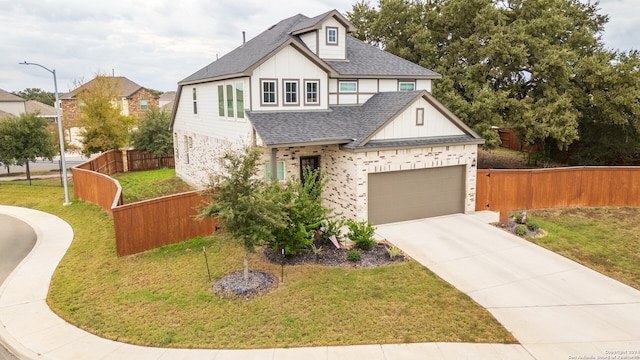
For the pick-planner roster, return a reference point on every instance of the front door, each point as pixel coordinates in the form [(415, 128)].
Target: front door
[(312, 162)]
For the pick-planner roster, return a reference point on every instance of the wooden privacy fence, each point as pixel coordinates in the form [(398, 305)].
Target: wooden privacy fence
[(509, 190), (139, 160), (143, 225)]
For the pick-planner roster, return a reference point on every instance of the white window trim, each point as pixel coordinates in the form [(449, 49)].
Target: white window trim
[(284, 91), (406, 82), (347, 91), (275, 92), (336, 42), (317, 102)]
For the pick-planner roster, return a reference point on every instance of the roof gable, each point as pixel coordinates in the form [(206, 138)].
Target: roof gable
[(353, 127), (315, 23), (126, 87), (362, 59)]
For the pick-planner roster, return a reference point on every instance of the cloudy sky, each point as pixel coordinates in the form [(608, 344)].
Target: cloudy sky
[(160, 42)]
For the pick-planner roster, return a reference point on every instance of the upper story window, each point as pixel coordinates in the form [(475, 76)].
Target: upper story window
[(348, 86), (406, 86), (269, 92), (195, 101), (143, 104), (240, 100), (332, 36), (290, 92), (312, 92), (220, 100)]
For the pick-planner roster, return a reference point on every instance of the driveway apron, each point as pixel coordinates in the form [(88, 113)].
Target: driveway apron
[(555, 307)]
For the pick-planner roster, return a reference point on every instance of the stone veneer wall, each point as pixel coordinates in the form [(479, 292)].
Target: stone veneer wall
[(203, 155), (347, 189)]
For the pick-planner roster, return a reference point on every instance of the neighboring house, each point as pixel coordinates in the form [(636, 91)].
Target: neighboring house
[(167, 100), (43, 110), (313, 96), (11, 104), (132, 99)]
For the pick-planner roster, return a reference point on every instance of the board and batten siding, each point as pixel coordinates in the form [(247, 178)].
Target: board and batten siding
[(207, 121), (404, 125), (367, 88), (311, 40), (332, 52), (287, 64)]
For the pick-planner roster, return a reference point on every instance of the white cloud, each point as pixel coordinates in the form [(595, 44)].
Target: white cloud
[(158, 43)]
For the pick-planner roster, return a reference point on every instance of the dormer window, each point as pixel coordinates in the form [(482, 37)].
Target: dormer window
[(332, 36)]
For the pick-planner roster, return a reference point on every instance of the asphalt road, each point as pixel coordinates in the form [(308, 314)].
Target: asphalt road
[(16, 241)]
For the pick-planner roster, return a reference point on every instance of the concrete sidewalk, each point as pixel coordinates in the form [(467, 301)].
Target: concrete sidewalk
[(556, 308), (32, 331)]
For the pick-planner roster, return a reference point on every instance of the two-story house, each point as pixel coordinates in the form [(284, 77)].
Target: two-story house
[(132, 99), (313, 96), (11, 105)]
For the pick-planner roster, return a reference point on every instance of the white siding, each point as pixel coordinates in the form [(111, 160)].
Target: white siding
[(311, 40), (388, 85), (291, 65), (368, 85), (423, 85), (332, 51), (404, 125), (13, 107), (207, 122)]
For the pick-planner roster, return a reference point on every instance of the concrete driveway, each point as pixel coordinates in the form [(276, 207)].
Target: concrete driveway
[(555, 307)]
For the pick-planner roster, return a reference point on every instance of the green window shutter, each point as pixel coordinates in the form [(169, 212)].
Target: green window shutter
[(220, 100)]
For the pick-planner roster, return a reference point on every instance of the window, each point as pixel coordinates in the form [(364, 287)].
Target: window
[(332, 36), (420, 116), (230, 100), (143, 105), (406, 86), (269, 91), (280, 173), (290, 92), (185, 139), (195, 104), (240, 100), (311, 92), (175, 141), (220, 100), (348, 86)]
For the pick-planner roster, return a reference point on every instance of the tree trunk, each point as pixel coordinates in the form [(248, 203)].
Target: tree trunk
[(246, 267)]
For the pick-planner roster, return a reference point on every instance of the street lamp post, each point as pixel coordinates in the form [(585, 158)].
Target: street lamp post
[(60, 134)]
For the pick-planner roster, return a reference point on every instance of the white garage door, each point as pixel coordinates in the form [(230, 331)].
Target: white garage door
[(415, 194)]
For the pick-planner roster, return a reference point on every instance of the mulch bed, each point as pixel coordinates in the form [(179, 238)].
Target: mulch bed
[(233, 286)]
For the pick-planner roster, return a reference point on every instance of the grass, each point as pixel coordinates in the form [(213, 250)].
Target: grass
[(144, 185), (163, 297), (604, 239)]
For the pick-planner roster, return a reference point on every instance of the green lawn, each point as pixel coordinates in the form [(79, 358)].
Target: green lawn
[(604, 239), (164, 298), (143, 185)]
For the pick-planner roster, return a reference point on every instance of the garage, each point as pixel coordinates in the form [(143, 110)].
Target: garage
[(414, 194)]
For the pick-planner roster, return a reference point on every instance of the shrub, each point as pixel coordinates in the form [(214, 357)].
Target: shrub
[(533, 226), (354, 255), (332, 227), (361, 233), (517, 217), (304, 212), (521, 230), (393, 252)]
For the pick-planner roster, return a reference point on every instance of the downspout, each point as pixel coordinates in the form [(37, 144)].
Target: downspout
[(274, 164)]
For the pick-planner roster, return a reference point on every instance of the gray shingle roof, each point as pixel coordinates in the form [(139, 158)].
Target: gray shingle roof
[(43, 109), (362, 59), (349, 126), (244, 57)]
